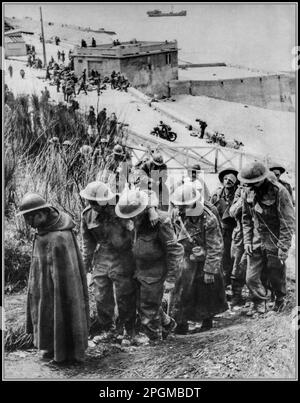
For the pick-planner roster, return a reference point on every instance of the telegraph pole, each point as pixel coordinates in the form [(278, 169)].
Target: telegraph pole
[(43, 37)]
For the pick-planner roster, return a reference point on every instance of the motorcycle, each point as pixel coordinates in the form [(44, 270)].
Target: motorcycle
[(165, 133)]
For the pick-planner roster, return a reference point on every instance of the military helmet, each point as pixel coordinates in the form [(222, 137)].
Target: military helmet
[(253, 172), (54, 140), (32, 201), (86, 149), (97, 191), (131, 203), (226, 171), (118, 150), (67, 143), (275, 165), (157, 158), (185, 194)]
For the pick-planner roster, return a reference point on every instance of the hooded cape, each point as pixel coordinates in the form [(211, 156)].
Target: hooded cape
[(57, 303)]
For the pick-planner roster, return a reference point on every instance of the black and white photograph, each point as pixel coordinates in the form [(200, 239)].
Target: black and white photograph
[(149, 193)]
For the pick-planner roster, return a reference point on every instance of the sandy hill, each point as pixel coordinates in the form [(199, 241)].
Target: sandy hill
[(66, 32)]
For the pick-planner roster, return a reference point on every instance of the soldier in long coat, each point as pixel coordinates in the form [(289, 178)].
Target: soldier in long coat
[(57, 302), (268, 225), (238, 275), (200, 290), (222, 198)]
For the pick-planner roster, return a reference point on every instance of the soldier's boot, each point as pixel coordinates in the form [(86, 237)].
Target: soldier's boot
[(107, 336), (141, 339), (237, 299), (279, 305), (169, 328), (260, 307), (207, 324), (182, 328)]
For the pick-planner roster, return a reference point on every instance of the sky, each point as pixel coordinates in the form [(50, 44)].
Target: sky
[(258, 35)]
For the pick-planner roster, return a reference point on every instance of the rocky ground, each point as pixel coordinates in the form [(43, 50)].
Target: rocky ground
[(237, 347)]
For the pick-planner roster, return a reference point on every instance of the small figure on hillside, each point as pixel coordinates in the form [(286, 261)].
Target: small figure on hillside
[(63, 56), (57, 84), (22, 73), (93, 42), (83, 43), (57, 302), (10, 70), (203, 126), (48, 77), (58, 54)]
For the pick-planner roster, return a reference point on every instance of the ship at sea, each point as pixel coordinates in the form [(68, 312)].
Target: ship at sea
[(159, 13)]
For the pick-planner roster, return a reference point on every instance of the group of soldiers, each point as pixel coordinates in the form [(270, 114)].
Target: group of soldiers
[(160, 258)]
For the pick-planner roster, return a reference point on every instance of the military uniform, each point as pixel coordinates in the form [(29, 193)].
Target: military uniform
[(268, 225), (195, 300), (107, 243), (223, 202), (238, 275), (157, 254), (288, 188)]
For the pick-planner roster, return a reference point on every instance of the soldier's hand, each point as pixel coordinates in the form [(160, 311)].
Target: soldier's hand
[(209, 278), (153, 216), (249, 249), (168, 286), (282, 255)]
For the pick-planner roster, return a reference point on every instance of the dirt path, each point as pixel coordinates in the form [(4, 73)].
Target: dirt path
[(237, 347)]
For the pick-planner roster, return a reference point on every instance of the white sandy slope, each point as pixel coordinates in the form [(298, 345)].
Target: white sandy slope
[(264, 132)]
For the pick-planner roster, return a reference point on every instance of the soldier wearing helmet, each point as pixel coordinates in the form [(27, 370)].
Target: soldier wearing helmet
[(157, 256), (57, 302), (222, 199), (153, 175), (200, 291), (107, 253), (268, 225)]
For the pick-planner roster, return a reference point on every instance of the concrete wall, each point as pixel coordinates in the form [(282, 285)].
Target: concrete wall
[(104, 66), (151, 74), (271, 92), (15, 49)]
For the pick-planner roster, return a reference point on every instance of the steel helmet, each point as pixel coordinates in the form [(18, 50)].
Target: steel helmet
[(226, 171), (275, 165), (185, 194), (86, 149), (67, 143), (118, 150), (253, 172), (131, 203), (97, 191), (54, 140), (32, 201)]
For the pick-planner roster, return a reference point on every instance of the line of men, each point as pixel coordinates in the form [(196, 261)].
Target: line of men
[(135, 253)]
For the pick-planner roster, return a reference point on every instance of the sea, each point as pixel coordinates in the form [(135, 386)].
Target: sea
[(257, 36)]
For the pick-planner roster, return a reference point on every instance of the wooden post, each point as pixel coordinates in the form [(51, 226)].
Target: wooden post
[(216, 160), (43, 37)]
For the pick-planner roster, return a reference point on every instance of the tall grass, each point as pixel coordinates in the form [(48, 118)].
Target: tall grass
[(33, 163)]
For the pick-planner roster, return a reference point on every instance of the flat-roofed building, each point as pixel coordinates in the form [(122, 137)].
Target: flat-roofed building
[(148, 66)]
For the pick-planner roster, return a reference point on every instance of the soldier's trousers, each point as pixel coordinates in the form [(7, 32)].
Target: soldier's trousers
[(113, 274), (150, 295), (227, 260), (238, 275), (265, 271)]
